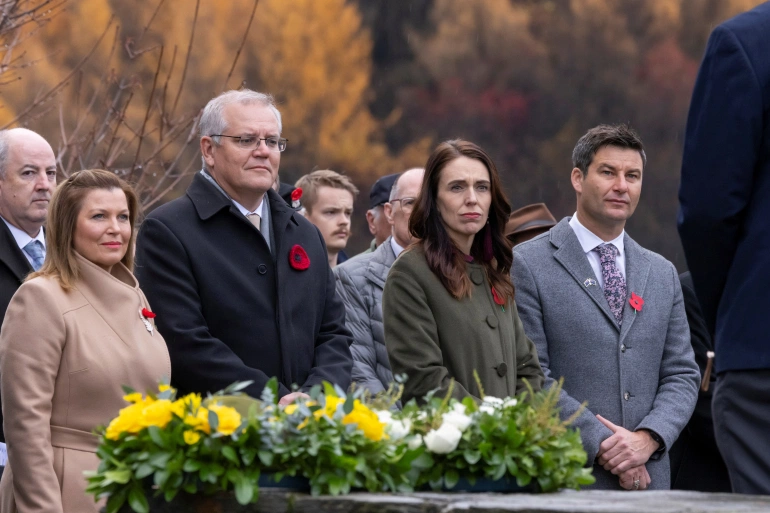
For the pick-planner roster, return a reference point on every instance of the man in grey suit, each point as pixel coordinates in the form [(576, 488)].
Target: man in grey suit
[(608, 316)]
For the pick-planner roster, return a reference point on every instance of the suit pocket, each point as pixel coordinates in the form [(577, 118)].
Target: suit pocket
[(78, 371)]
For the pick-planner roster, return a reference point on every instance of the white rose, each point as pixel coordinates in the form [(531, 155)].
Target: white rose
[(457, 419), (385, 416), (398, 429), (415, 442), (485, 408), (510, 402), (494, 401), (443, 440)]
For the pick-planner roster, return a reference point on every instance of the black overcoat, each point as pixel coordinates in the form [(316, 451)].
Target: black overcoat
[(232, 311), (14, 267)]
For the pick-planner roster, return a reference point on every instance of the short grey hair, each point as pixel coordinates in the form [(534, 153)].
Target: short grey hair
[(394, 189), (622, 136), (213, 121), (4, 149)]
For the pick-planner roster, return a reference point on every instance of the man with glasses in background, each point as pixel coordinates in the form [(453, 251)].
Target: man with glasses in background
[(360, 282), (238, 279)]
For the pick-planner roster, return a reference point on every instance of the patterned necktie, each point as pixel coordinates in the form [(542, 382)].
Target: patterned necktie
[(255, 220), (614, 283), (35, 249)]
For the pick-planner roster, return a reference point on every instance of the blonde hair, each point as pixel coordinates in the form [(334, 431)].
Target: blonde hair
[(323, 178), (67, 201)]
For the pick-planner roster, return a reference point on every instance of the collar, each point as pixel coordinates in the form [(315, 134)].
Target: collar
[(397, 249), (243, 210), (589, 240), (22, 238)]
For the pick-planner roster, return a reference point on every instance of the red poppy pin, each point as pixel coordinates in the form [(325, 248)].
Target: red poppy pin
[(145, 315), (298, 258), (296, 194), (498, 300), (636, 302), (148, 314)]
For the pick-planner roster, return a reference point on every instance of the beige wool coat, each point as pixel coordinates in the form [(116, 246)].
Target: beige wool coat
[(63, 358)]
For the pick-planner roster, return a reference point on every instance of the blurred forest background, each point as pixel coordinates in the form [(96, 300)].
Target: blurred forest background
[(366, 87)]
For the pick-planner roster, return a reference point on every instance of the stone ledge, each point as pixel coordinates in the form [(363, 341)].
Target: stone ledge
[(274, 500)]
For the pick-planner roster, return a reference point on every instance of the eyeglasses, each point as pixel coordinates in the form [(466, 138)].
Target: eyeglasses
[(407, 204), (251, 142)]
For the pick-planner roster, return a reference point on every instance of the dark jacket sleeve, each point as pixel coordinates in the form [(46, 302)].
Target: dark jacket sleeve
[(722, 142), (333, 362), (592, 432), (199, 361), (359, 322)]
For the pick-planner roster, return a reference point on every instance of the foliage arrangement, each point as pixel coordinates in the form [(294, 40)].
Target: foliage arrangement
[(339, 442)]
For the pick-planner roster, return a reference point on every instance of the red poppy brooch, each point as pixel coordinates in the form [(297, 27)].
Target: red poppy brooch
[(636, 302), (298, 258), (498, 300), (296, 194), (145, 315)]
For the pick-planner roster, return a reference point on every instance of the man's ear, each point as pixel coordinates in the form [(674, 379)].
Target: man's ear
[(387, 208), (370, 221), (577, 179), (207, 151)]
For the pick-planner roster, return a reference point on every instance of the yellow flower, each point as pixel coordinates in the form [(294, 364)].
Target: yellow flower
[(134, 397), (190, 402), (163, 388), (129, 420), (191, 437), (229, 418), (290, 409), (199, 421), (366, 420), (157, 414)]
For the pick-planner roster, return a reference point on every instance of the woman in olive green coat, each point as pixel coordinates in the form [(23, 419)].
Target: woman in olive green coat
[(448, 301)]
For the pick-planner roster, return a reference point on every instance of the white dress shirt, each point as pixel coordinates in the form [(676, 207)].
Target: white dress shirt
[(589, 240), (396, 248), (22, 238)]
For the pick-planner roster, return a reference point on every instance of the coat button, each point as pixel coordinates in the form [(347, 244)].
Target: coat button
[(492, 321), (502, 369), (477, 277), (622, 348), (262, 268), (626, 396)]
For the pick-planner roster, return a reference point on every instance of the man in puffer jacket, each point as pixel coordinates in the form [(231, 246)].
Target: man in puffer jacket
[(361, 279)]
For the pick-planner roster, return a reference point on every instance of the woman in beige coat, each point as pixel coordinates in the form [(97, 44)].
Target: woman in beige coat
[(74, 332)]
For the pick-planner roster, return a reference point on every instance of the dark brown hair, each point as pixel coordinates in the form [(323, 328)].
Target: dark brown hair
[(445, 260), (622, 136), (66, 203)]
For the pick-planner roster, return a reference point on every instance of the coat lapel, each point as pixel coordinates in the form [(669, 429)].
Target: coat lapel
[(570, 255), (11, 255), (637, 271), (281, 214)]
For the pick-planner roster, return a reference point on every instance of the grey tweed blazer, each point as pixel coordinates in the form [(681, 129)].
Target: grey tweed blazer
[(640, 375)]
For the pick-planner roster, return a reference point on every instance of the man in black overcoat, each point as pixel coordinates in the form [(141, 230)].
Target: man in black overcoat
[(724, 223), (238, 279)]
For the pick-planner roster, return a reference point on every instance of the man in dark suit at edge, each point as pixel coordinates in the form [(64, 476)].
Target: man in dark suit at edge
[(239, 280), (724, 223)]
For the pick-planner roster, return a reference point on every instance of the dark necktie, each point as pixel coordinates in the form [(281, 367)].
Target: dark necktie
[(614, 283)]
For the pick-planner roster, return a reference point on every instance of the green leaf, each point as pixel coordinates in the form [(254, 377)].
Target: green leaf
[(118, 476), (191, 466), (143, 470), (156, 436), (229, 453), (272, 391), (244, 491), (450, 479), (160, 459), (266, 457), (213, 420), (137, 500), (348, 406), (127, 389), (471, 456)]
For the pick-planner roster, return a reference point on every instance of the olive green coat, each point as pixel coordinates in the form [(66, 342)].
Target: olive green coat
[(433, 337)]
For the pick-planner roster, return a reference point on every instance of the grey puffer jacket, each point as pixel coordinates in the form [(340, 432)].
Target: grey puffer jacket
[(360, 282)]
